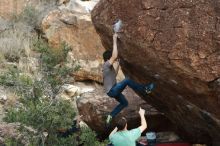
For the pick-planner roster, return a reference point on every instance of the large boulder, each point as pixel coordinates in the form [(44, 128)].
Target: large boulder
[(174, 43), (75, 29), (95, 105)]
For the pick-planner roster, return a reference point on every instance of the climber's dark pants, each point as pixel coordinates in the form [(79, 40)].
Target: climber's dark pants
[(116, 92)]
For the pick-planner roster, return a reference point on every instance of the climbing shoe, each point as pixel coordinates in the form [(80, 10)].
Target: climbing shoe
[(109, 119), (149, 88)]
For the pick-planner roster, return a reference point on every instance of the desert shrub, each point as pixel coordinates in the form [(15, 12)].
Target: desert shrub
[(2, 57), (29, 16), (12, 142), (21, 83), (51, 56), (44, 115), (14, 43), (38, 109), (88, 137), (52, 66), (53, 63), (71, 140)]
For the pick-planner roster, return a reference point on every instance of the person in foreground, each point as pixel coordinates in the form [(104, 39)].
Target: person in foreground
[(114, 89), (121, 136)]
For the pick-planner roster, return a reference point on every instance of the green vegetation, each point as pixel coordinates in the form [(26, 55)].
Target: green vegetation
[(21, 83), (38, 109), (44, 115), (28, 16), (53, 63), (48, 115)]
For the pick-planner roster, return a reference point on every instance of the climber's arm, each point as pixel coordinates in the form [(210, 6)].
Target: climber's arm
[(115, 49), (114, 131), (116, 66)]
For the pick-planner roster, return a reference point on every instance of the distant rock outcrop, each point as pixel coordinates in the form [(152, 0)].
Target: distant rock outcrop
[(79, 6), (74, 27), (174, 43)]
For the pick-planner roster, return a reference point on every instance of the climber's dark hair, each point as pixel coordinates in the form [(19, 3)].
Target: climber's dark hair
[(121, 123), (107, 55)]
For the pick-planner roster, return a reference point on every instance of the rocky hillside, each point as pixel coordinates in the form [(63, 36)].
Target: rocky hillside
[(174, 43)]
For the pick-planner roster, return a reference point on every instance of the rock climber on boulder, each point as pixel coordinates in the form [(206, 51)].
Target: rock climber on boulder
[(114, 89)]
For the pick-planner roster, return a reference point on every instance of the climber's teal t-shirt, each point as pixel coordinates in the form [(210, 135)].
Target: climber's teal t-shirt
[(125, 138)]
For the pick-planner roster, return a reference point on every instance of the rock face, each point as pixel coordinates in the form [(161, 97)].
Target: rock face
[(74, 27), (95, 105), (77, 5), (174, 43), (10, 7)]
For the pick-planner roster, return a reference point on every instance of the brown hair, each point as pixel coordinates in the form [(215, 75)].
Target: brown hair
[(121, 123)]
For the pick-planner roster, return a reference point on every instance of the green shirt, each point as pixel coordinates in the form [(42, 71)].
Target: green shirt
[(125, 138)]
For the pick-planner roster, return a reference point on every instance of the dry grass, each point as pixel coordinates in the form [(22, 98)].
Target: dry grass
[(12, 100), (15, 43)]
